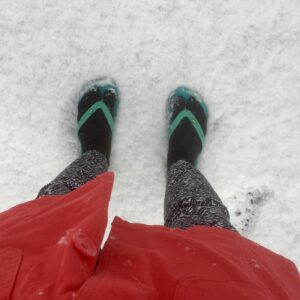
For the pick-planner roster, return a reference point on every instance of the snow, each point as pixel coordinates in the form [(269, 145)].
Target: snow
[(242, 56), (63, 241)]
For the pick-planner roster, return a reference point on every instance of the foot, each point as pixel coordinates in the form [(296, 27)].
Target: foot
[(188, 125), (97, 110)]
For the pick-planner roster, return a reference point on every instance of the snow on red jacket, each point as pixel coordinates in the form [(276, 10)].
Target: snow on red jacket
[(49, 250)]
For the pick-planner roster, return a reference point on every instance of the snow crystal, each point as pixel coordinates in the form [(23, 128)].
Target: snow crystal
[(127, 263), (63, 241)]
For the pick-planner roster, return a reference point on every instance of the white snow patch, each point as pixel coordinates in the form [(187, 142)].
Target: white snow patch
[(63, 241)]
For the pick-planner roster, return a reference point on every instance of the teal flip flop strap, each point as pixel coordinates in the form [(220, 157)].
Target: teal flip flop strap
[(97, 105), (187, 114)]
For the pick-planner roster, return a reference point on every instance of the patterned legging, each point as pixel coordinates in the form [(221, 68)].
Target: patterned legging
[(189, 200)]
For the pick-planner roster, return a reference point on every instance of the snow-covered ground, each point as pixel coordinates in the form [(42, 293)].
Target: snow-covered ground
[(242, 56)]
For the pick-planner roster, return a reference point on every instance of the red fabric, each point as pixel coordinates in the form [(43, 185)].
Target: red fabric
[(48, 250)]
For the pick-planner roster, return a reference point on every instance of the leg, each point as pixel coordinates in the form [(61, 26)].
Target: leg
[(97, 111), (91, 164), (190, 200)]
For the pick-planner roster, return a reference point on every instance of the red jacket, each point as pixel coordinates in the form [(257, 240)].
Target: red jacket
[(49, 250)]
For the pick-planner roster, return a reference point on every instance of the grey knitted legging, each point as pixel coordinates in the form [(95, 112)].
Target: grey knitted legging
[(190, 200), (79, 172)]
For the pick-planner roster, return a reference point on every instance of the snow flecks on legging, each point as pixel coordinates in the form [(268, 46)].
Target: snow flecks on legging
[(190, 199), (91, 164)]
